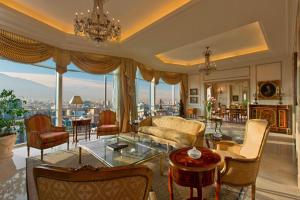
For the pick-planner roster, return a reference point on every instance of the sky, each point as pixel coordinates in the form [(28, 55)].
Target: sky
[(88, 86)]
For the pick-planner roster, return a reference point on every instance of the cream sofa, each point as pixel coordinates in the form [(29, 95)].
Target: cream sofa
[(174, 131)]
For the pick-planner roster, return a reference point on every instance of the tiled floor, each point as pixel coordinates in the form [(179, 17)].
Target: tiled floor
[(276, 180)]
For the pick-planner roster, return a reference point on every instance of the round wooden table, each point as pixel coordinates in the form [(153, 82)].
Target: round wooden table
[(192, 173)]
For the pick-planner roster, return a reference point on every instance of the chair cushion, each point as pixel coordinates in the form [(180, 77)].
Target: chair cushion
[(168, 134), (108, 128), (53, 136)]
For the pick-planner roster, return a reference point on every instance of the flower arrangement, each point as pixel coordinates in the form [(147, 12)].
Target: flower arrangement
[(209, 103)]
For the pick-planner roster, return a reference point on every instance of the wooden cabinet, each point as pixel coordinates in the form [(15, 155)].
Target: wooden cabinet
[(278, 116)]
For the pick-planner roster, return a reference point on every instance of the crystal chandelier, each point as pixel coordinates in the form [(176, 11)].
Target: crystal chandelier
[(97, 25), (207, 66)]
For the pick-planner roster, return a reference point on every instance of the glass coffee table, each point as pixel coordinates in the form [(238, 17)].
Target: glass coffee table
[(134, 153)]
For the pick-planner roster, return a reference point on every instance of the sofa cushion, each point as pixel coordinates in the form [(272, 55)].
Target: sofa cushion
[(177, 123), (168, 134), (53, 136)]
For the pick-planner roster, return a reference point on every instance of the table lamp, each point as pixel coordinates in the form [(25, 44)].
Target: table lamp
[(76, 100)]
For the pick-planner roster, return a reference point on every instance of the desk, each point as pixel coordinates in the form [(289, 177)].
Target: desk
[(81, 122), (192, 173)]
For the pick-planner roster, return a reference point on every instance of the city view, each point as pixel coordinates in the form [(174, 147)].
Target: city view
[(36, 85)]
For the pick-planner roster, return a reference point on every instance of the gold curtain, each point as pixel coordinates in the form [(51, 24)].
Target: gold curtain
[(20, 49), (171, 77), (147, 73), (95, 63), (128, 107), (62, 59), (184, 90)]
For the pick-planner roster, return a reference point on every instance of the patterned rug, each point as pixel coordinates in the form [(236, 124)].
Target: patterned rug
[(160, 183)]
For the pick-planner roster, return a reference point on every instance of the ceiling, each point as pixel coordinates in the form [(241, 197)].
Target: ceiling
[(164, 34)]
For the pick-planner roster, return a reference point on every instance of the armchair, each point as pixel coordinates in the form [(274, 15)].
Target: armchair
[(41, 134), (241, 162), (108, 123), (127, 182)]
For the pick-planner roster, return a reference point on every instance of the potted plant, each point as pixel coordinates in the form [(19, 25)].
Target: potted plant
[(11, 111)]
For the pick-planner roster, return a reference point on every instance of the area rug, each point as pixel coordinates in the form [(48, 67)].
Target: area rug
[(160, 183)]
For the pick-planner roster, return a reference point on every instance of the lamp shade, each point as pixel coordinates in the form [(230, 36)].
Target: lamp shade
[(76, 100)]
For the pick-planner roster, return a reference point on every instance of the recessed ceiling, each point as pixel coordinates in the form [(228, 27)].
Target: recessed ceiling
[(168, 35), (134, 15), (240, 41)]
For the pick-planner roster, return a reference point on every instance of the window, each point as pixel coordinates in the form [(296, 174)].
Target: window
[(167, 98), (33, 83), (143, 98), (95, 91)]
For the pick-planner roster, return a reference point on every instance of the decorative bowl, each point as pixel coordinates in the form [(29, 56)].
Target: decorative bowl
[(194, 153)]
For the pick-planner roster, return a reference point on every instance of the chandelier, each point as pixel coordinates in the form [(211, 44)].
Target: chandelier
[(207, 66), (97, 25)]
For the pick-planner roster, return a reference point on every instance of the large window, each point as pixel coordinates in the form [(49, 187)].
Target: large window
[(96, 91), (143, 97), (37, 85), (167, 98), (160, 99), (33, 83)]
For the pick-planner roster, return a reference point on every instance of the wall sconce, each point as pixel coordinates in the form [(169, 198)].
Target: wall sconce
[(220, 91)]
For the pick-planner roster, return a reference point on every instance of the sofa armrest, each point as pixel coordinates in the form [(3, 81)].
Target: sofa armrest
[(146, 122)]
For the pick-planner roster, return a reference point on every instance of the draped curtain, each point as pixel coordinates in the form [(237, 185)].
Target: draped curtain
[(24, 50), (128, 107)]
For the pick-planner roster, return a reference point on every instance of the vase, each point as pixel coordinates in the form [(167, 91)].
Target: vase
[(208, 112), (6, 146)]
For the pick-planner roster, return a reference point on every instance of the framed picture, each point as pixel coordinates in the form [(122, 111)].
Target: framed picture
[(193, 99), (235, 98), (194, 91), (268, 89)]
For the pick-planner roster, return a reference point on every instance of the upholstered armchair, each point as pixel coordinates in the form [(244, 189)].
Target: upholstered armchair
[(108, 124), (88, 183), (41, 134), (241, 162)]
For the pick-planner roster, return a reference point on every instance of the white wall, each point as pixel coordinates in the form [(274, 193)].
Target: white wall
[(273, 69)]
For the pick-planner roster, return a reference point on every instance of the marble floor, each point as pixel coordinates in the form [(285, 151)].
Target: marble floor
[(277, 178)]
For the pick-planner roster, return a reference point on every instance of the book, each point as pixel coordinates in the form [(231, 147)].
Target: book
[(117, 146)]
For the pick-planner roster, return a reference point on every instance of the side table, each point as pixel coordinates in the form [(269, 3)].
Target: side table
[(192, 173), (83, 123), (210, 138)]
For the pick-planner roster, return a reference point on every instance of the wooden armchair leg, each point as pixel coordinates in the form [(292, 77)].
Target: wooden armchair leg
[(28, 151), (42, 154), (253, 191)]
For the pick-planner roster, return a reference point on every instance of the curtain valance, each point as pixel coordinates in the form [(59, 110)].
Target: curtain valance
[(20, 49), (95, 63)]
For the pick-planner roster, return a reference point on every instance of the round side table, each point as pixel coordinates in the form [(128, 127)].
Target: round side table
[(192, 173), (210, 138)]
